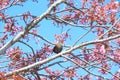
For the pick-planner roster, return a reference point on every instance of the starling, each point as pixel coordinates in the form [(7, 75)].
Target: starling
[(58, 47)]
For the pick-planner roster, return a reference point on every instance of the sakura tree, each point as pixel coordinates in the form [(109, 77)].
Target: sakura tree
[(89, 31)]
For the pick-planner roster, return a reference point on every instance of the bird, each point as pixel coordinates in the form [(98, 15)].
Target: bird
[(58, 47)]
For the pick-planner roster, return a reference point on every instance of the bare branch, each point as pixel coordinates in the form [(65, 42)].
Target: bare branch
[(82, 36), (29, 26), (28, 46), (11, 4), (82, 67), (64, 21), (90, 65), (62, 53), (110, 28), (41, 38), (60, 20)]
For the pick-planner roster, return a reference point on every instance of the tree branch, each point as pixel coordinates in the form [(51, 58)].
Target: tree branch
[(62, 53), (28, 46), (41, 38), (30, 26), (83, 67)]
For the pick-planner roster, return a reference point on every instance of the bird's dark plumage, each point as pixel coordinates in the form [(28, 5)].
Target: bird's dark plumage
[(58, 47)]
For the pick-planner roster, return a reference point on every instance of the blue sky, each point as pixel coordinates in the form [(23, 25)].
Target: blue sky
[(47, 29)]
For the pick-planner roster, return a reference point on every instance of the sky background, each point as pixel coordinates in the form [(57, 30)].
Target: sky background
[(47, 29)]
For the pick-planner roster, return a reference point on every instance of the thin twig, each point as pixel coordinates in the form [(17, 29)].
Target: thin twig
[(61, 53), (41, 38), (28, 46), (82, 36), (82, 67), (109, 28)]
